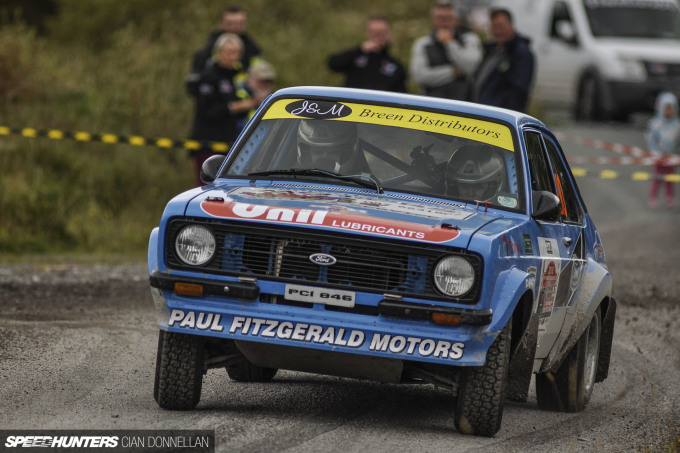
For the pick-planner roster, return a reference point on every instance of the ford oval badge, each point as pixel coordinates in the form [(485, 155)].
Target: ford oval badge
[(322, 259)]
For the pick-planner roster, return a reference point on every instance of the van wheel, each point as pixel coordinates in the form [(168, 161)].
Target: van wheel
[(179, 370), (481, 392), (588, 106), (570, 388)]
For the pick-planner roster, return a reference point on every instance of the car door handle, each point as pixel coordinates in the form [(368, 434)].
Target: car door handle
[(567, 241)]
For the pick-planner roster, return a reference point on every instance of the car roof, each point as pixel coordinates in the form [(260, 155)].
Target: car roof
[(427, 102)]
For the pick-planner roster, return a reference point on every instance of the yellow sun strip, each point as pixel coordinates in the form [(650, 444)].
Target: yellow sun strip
[(672, 178), (608, 174), (457, 126)]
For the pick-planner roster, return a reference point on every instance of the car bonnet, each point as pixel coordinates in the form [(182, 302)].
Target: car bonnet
[(396, 216)]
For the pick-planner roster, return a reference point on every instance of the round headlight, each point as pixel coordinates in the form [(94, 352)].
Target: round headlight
[(454, 276), (195, 245)]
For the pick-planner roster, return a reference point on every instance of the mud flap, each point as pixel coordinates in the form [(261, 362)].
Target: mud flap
[(606, 340), (522, 362)]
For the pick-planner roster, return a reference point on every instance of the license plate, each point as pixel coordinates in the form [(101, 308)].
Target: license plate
[(315, 295)]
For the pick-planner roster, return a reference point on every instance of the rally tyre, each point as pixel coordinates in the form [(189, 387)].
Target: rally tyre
[(241, 370), (481, 392), (179, 370), (569, 389)]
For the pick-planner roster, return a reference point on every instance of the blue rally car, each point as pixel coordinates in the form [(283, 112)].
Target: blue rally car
[(390, 237)]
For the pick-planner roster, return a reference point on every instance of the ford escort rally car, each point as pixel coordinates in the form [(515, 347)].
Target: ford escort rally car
[(391, 237)]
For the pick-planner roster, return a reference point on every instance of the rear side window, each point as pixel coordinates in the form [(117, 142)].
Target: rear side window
[(571, 209)]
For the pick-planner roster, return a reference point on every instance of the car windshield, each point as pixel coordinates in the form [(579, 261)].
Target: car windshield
[(385, 148), (633, 19)]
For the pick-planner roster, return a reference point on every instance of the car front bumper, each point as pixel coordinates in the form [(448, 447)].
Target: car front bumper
[(378, 327)]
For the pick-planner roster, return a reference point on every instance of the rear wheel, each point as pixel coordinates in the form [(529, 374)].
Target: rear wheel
[(179, 370), (570, 388), (481, 392)]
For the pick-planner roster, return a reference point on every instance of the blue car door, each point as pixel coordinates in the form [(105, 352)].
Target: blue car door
[(561, 244)]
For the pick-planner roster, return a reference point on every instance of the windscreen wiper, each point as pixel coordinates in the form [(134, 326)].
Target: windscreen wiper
[(363, 180)]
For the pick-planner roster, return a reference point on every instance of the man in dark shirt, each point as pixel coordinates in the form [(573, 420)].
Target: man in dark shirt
[(234, 20), (370, 64), (504, 77)]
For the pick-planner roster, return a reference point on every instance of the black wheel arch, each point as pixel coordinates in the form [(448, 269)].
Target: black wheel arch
[(523, 348), (608, 315)]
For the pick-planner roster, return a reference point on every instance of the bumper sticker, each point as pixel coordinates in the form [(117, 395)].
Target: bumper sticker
[(317, 334)]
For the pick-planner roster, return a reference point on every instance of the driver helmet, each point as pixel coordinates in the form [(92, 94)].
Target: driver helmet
[(474, 172), (326, 145)]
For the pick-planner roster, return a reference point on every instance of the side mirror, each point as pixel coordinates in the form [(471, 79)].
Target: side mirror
[(547, 205), (566, 32), (210, 168)]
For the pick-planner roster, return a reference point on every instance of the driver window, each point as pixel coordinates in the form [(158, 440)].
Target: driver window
[(538, 166)]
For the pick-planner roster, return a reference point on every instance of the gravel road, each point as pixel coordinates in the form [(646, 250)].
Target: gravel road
[(78, 345)]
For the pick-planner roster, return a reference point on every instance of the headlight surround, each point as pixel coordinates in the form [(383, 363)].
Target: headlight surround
[(195, 245), (454, 276)]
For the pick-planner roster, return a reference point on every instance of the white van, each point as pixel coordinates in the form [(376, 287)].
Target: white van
[(601, 58)]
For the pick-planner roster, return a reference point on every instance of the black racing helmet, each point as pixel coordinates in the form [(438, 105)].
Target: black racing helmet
[(478, 166), (334, 140)]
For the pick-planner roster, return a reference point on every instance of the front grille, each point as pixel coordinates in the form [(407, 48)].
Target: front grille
[(283, 254), (665, 71)]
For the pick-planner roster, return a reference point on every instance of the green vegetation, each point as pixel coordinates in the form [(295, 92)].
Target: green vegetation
[(119, 67)]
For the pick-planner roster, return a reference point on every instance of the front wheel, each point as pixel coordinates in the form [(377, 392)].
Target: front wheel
[(481, 392), (179, 370), (570, 388)]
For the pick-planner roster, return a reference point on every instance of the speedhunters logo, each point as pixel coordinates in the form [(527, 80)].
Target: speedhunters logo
[(318, 110), (128, 441)]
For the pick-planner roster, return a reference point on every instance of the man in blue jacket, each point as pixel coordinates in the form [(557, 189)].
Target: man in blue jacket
[(503, 78)]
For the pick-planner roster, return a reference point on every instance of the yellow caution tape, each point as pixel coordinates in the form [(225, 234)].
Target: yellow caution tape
[(111, 139), (580, 172)]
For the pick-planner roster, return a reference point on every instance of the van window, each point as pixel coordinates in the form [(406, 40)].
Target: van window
[(633, 19), (560, 13)]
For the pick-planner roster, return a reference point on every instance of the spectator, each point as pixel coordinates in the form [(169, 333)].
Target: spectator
[(504, 77), (662, 137), (219, 109), (370, 64), (442, 62), (258, 85), (234, 20)]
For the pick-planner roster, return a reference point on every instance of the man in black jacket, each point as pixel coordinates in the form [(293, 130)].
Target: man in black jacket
[(234, 20), (504, 77), (370, 64)]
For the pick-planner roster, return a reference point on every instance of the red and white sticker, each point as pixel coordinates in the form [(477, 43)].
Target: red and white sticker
[(340, 221)]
